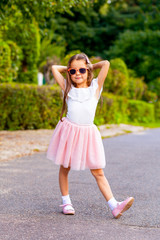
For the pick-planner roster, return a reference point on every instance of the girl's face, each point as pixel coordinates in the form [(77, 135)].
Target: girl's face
[(79, 78)]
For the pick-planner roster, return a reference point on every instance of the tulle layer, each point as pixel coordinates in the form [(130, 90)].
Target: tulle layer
[(76, 146)]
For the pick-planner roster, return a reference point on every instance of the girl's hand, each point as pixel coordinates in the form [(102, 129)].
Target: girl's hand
[(57, 71)]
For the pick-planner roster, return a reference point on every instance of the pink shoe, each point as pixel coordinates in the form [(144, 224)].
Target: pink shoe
[(68, 211), (125, 205)]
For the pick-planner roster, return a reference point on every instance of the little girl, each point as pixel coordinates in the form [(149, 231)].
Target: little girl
[(76, 142)]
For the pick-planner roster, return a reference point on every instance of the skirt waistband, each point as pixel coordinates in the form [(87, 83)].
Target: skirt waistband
[(76, 124)]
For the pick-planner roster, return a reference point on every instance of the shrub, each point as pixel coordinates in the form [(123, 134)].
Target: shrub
[(157, 110), (154, 86), (25, 106), (119, 64), (116, 83), (5, 62), (137, 88), (16, 58), (140, 111), (111, 109)]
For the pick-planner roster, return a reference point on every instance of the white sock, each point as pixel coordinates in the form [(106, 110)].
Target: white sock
[(66, 199), (113, 203)]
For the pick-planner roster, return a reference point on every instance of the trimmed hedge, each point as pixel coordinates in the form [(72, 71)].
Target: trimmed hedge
[(111, 109), (26, 106)]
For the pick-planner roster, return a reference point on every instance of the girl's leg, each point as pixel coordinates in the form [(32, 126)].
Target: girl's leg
[(102, 183), (117, 208), (63, 180), (64, 187)]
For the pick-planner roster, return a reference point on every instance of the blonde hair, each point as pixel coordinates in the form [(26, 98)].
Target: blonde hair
[(69, 82)]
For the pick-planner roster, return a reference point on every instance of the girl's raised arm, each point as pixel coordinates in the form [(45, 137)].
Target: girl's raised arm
[(104, 65), (57, 71)]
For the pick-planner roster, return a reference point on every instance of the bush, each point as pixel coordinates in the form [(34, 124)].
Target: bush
[(119, 64), (111, 109), (117, 79), (154, 86), (5, 62), (157, 111), (137, 88), (23, 37), (16, 58), (140, 111), (25, 106)]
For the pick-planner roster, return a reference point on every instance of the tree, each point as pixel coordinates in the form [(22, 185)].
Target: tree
[(140, 50), (19, 23)]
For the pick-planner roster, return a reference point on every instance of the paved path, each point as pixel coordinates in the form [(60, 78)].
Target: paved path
[(30, 195)]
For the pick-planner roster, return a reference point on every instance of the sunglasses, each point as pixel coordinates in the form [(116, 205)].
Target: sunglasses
[(73, 71)]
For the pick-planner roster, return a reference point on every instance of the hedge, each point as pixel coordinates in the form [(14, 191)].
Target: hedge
[(140, 111), (26, 106)]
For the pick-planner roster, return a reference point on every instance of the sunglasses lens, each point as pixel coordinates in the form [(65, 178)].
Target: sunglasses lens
[(72, 71), (82, 70)]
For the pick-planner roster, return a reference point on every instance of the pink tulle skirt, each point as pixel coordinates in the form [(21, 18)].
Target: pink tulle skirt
[(76, 146)]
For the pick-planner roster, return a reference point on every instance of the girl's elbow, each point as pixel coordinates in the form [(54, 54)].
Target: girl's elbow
[(107, 62), (53, 67)]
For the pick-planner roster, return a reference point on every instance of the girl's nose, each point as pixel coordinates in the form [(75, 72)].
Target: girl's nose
[(77, 72)]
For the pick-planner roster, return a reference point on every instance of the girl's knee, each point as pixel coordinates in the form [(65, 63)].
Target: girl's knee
[(64, 170), (97, 173)]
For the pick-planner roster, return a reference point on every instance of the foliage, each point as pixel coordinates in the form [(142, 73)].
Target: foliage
[(119, 64), (25, 106), (93, 30), (144, 60), (91, 27), (137, 88), (154, 86), (16, 58), (140, 111), (18, 23), (49, 50), (111, 109), (117, 79), (157, 111), (30, 43), (39, 9), (25, 40), (116, 83), (68, 56), (5, 62)]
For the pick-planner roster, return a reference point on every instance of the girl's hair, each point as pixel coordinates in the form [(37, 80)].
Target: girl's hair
[(69, 82)]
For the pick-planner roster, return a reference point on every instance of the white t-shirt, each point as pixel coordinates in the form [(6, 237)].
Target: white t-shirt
[(82, 104)]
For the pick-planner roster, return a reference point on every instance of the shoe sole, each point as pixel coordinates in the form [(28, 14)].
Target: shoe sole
[(69, 213), (128, 205)]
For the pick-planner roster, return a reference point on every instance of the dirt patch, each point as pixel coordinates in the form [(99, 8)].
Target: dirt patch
[(15, 144)]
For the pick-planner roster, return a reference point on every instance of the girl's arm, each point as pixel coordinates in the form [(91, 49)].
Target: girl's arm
[(104, 65), (57, 71)]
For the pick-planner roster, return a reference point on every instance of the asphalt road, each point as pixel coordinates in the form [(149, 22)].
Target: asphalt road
[(30, 196)]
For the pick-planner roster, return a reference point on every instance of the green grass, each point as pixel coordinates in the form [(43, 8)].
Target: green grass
[(149, 125)]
